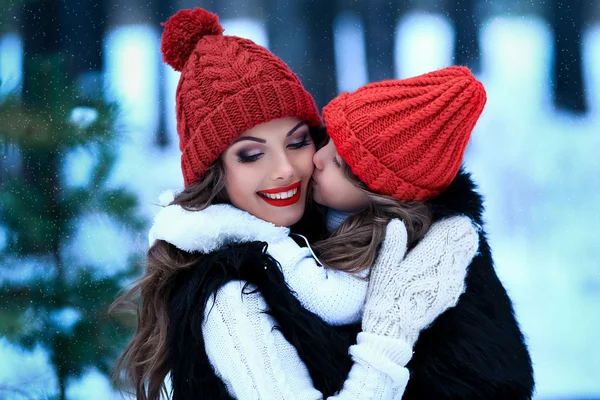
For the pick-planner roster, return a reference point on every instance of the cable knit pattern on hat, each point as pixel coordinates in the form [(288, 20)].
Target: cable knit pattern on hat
[(406, 138), (227, 86)]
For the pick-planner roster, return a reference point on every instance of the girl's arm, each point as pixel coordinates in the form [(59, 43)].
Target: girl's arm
[(256, 362), (335, 296)]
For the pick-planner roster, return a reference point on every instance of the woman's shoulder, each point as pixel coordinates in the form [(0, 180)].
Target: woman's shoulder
[(220, 279), (237, 291), (236, 297)]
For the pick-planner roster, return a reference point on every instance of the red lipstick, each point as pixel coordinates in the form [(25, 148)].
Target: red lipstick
[(264, 194)]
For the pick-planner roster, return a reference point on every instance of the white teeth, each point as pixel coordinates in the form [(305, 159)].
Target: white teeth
[(280, 196)]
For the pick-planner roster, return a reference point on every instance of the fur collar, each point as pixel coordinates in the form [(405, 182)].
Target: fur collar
[(210, 229), (461, 197)]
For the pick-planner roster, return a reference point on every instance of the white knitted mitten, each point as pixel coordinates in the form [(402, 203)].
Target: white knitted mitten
[(407, 296)]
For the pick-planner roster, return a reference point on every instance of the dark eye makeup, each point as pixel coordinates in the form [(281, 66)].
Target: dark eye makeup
[(245, 156), (304, 141)]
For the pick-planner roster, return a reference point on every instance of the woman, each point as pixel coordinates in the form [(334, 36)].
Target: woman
[(224, 323)]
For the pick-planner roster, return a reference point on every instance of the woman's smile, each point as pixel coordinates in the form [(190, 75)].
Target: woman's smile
[(283, 196)]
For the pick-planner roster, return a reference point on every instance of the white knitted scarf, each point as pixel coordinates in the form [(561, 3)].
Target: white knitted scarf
[(210, 229)]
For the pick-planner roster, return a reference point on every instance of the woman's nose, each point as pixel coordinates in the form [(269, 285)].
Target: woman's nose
[(284, 170)]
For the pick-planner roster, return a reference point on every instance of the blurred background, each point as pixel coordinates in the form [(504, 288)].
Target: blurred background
[(88, 142)]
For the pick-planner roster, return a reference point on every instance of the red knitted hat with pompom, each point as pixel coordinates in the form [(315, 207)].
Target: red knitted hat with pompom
[(227, 86), (406, 138)]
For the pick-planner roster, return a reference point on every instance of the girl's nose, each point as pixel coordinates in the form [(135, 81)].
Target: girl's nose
[(318, 159)]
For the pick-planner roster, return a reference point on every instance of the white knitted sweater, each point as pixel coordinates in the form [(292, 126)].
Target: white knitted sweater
[(255, 361), (251, 357)]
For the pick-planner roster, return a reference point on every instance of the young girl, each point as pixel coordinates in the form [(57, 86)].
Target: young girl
[(216, 312), (394, 143)]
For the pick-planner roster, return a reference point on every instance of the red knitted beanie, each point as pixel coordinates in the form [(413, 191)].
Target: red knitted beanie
[(227, 86), (406, 138)]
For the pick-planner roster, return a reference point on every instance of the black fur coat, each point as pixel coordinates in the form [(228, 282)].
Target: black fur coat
[(472, 351)]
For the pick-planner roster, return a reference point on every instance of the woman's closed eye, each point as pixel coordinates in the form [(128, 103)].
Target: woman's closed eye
[(304, 141), (248, 156)]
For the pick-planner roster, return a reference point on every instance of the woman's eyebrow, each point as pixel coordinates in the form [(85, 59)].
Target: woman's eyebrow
[(251, 138), (258, 140), (294, 129)]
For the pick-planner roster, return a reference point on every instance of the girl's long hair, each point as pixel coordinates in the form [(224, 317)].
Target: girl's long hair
[(353, 246)]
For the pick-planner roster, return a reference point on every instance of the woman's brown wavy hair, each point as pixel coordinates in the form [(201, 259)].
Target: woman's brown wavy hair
[(144, 364)]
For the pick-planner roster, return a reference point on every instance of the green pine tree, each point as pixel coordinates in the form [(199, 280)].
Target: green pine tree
[(39, 216)]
